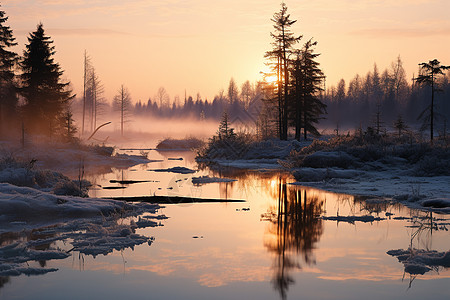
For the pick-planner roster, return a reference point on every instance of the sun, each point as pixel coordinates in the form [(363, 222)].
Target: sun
[(271, 78)]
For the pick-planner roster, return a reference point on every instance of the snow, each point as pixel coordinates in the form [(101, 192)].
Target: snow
[(425, 193), (71, 160), (46, 204), (250, 164), (419, 261), (99, 236), (207, 179), (26, 204)]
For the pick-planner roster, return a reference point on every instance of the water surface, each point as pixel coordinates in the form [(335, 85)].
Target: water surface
[(273, 246)]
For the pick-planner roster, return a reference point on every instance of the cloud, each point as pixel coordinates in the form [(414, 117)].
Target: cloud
[(401, 32), (77, 31)]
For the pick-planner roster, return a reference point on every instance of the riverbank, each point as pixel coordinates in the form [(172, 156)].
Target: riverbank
[(413, 173)]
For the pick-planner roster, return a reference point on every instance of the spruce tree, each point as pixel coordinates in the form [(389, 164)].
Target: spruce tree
[(307, 79), (46, 96), (283, 43), (428, 75), (400, 125), (8, 59)]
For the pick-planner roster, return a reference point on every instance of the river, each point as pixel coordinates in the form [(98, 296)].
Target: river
[(279, 244)]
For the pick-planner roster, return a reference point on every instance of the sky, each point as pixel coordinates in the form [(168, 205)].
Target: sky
[(198, 45)]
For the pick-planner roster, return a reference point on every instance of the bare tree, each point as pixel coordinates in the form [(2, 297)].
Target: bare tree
[(162, 97), (247, 93), (399, 79), (122, 104), (233, 91)]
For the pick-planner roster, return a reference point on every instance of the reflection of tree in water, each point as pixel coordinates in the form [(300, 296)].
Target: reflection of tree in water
[(295, 228), (3, 280), (26, 236)]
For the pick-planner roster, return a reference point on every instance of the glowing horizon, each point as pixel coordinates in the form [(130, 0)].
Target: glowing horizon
[(198, 45)]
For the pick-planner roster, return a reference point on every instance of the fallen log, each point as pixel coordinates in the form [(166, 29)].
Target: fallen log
[(171, 199)]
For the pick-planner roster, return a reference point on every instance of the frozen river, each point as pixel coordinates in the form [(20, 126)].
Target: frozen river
[(283, 242)]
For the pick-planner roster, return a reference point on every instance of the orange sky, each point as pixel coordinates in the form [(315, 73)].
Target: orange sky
[(198, 45)]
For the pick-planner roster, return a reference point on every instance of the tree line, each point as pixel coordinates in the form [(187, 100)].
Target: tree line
[(383, 100), (237, 101)]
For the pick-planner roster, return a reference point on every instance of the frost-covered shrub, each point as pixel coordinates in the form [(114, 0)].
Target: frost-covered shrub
[(69, 188), (103, 150), (233, 147), (188, 143), (48, 178), (21, 173), (432, 166), (17, 176)]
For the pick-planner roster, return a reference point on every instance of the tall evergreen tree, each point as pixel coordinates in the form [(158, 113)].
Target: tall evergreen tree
[(283, 42), (428, 74), (306, 88), (46, 96), (8, 59)]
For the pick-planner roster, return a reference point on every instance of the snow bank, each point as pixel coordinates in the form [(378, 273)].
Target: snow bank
[(180, 144), (207, 179), (321, 174), (250, 164), (72, 160), (28, 204), (418, 261)]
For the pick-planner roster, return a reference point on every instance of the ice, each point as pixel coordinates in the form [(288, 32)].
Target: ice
[(94, 236), (419, 261)]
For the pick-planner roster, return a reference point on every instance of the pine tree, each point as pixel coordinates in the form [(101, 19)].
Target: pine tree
[(306, 88), (400, 125), (225, 131), (46, 96), (429, 72), (283, 42), (69, 130), (8, 59)]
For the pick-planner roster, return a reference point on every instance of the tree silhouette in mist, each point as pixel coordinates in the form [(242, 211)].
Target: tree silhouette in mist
[(46, 96), (8, 60), (428, 73)]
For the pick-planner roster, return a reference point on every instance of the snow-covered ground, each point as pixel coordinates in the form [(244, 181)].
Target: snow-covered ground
[(45, 203), (369, 171), (70, 161)]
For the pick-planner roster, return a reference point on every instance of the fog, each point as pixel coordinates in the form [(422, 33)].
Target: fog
[(146, 132)]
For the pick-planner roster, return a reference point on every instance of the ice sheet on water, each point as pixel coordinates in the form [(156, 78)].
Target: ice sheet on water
[(89, 237), (420, 261)]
